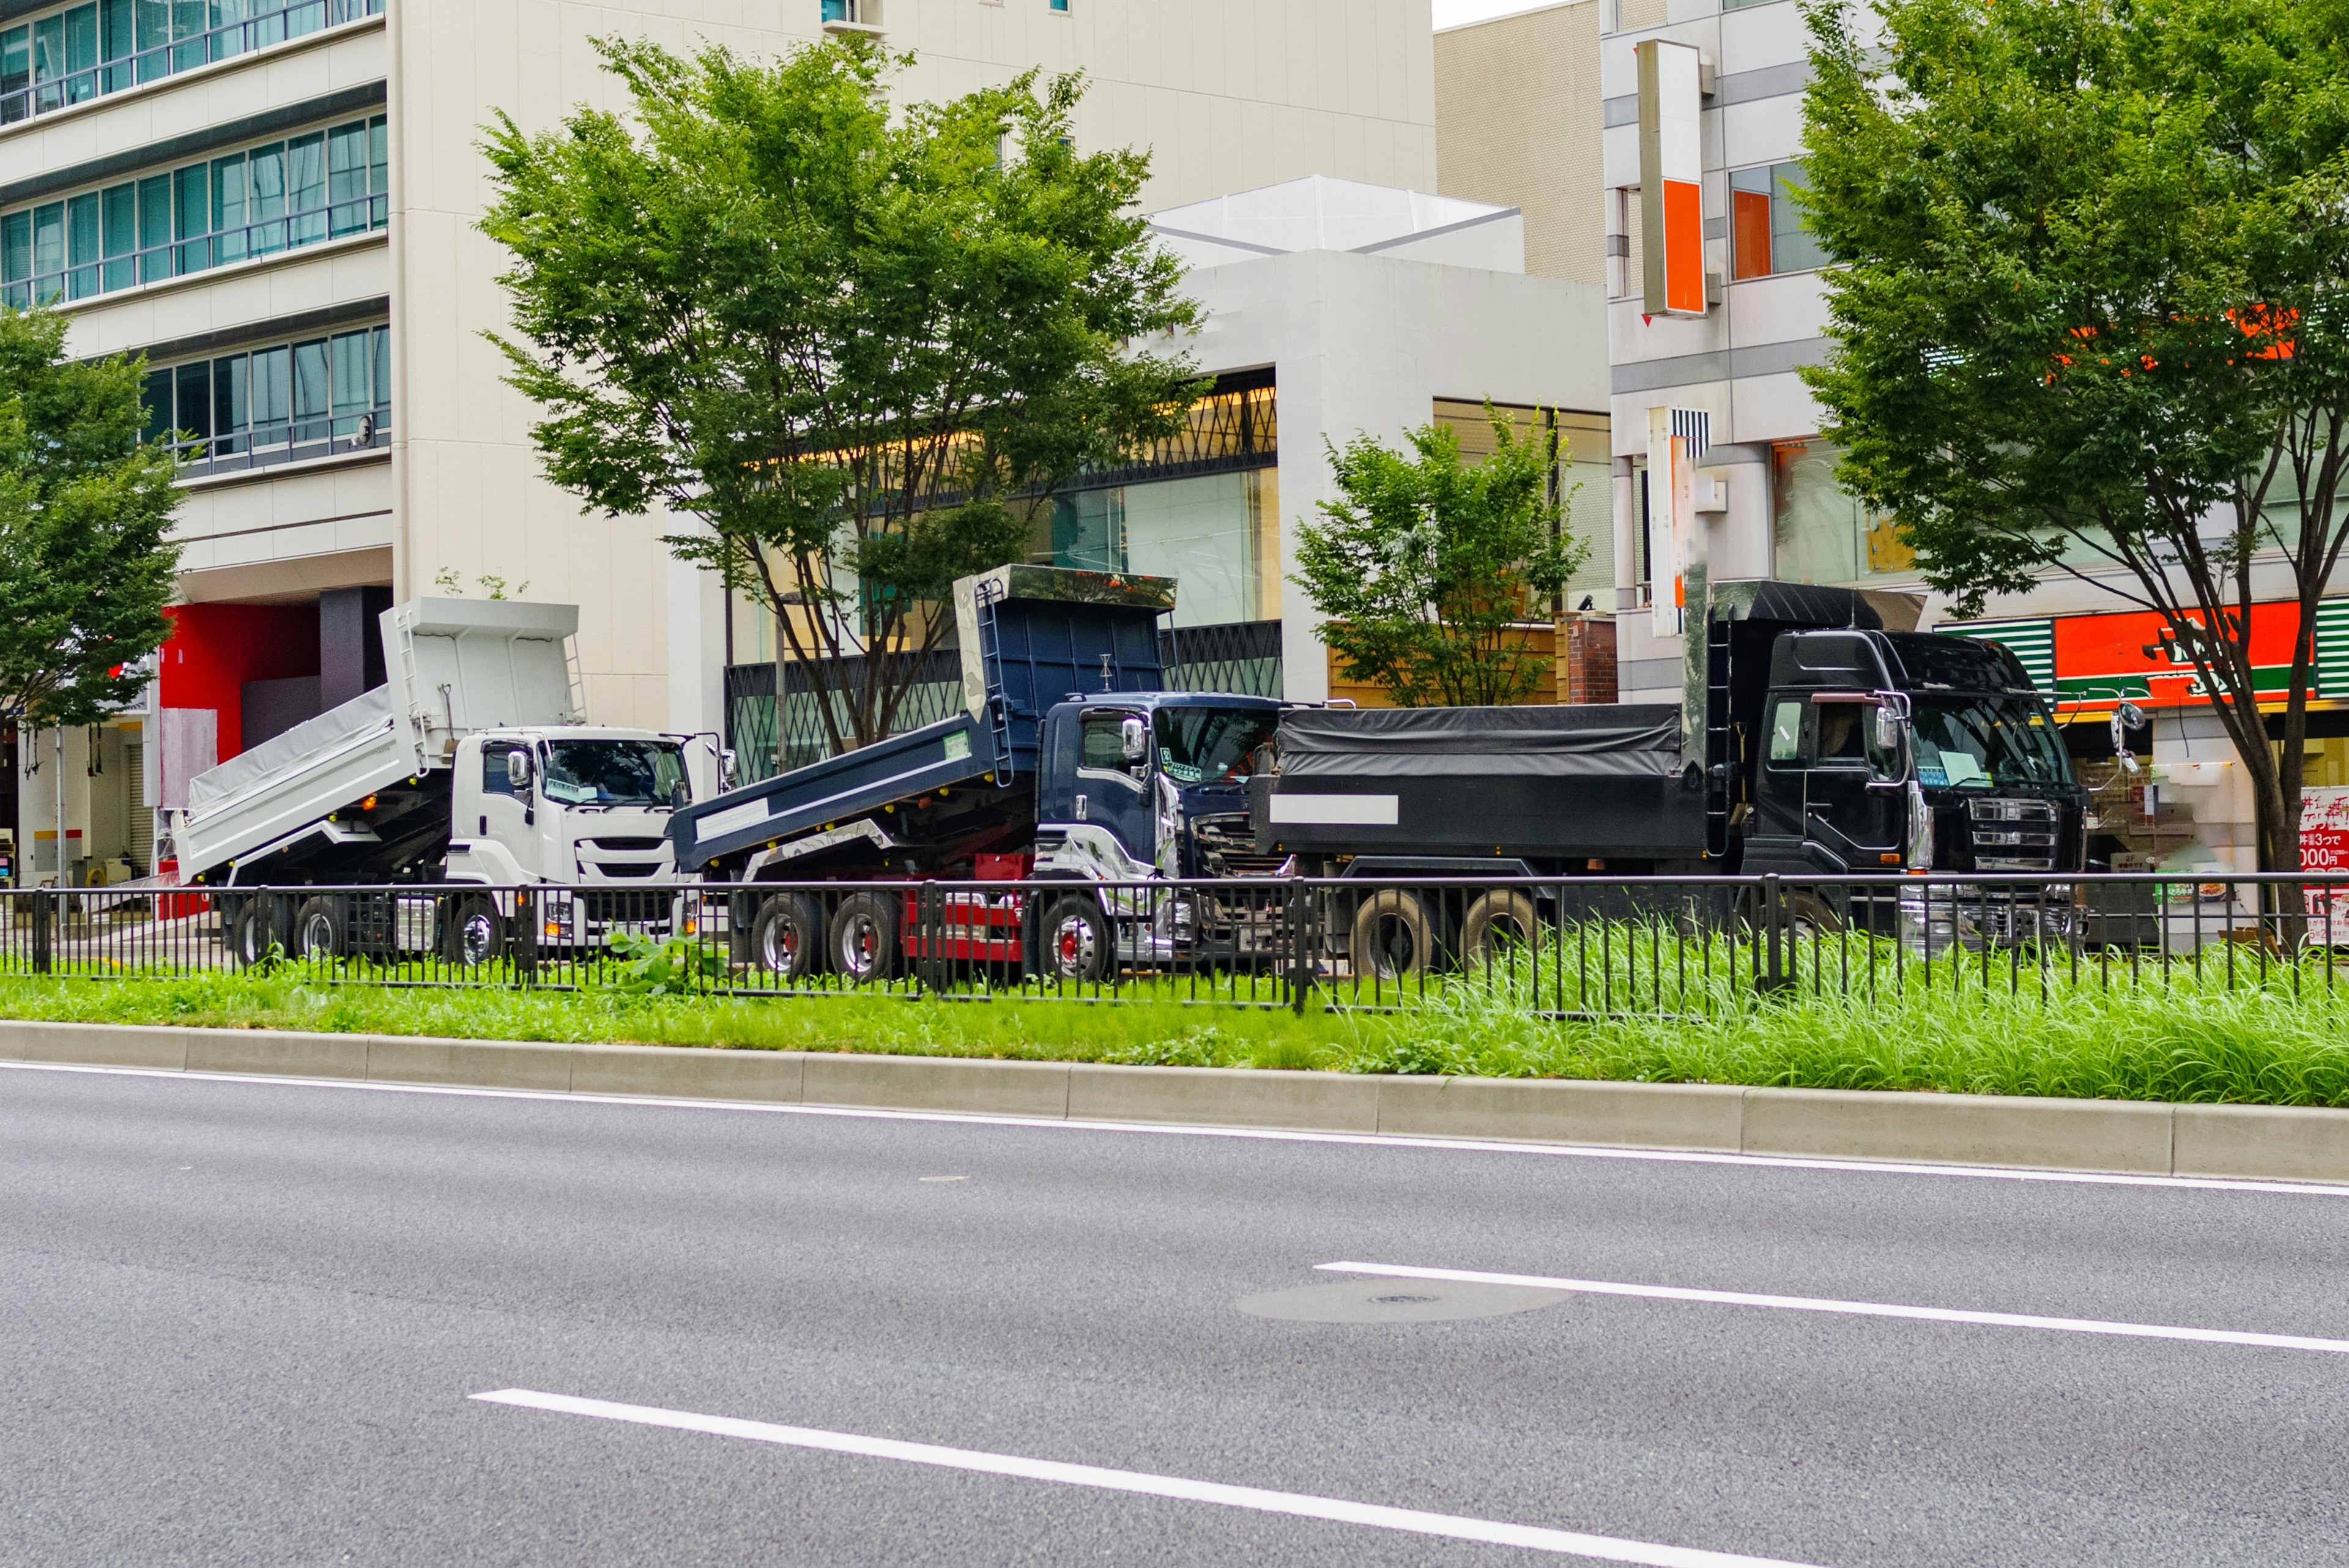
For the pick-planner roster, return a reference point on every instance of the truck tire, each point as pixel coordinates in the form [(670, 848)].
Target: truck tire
[(1079, 946), (322, 928), (1395, 936), (864, 931), (787, 937), (1501, 920), (258, 925), (475, 934)]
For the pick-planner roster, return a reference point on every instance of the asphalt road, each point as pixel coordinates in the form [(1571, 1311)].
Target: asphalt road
[(242, 1321)]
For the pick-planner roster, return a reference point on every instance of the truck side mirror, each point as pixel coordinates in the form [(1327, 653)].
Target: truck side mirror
[(518, 770), (1887, 729), (1133, 739)]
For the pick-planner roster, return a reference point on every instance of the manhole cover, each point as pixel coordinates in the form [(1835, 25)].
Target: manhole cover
[(1378, 1300)]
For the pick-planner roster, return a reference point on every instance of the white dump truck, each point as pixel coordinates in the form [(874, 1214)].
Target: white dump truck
[(470, 767)]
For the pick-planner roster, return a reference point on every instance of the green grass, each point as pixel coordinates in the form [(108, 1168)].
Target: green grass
[(2179, 1037)]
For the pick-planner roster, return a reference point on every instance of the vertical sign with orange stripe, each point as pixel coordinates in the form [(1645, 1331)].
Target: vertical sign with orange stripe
[(1672, 204)]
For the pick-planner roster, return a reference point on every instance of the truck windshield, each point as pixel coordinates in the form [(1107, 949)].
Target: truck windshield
[(1212, 745), (1984, 742), (613, 773)]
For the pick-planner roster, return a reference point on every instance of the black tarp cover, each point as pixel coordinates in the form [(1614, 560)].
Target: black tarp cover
[(1630, 739)]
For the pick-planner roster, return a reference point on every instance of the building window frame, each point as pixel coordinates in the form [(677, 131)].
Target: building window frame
[(325, 395), (1766, 237), (327, 182), (83, 51)]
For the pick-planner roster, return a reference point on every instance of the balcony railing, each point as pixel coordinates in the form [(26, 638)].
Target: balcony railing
[(265, 444), (21, 97), (153, 263)]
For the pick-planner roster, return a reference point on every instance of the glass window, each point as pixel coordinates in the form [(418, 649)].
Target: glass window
[(312, 407), (114, 39), (231, 211), (154, 228), (273, 396), (82, 244), (1986, 742), (346, 178), (81, 54), (155, 396), (193, 218), (16, 258), (49, 248), (1765, 225), (1820, 532), (353, 360), (16, 74), (613, 773), (150, 25), (497, 776), (227, 37), (265, 207), (188, 34), (1213, 745), (120, 208), (194, 399), (1102, 743), (232, 409), (305, 188), (382, 378), (1787, 732)]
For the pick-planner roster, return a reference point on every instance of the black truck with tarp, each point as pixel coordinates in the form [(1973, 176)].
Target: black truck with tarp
[(1812, 741)]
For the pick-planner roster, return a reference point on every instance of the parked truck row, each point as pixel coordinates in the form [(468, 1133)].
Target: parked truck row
[(1088, 818), (1811, 740)]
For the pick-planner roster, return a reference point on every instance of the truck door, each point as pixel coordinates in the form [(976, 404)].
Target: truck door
[(1113, 789), (509, 807), (1857, 825)]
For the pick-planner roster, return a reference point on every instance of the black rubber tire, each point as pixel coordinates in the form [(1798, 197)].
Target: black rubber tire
[(1395, 936), (1500, 921), (862, 945), (322, 928), (258, 925), (475, 933), (787, 939), (1076, 944)]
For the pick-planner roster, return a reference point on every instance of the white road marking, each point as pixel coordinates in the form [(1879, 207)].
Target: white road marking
[(1266, 1135), (942, 1179), (1606, 1548), (1854, 1309)]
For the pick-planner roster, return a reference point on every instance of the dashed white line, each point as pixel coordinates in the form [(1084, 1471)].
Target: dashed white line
[(1854, 1309), (1377, 1516), (1261, 1135)]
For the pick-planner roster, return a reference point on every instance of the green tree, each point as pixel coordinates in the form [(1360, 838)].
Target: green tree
[(2090, 316), (1426, 565), (85, 566), (862, 347)]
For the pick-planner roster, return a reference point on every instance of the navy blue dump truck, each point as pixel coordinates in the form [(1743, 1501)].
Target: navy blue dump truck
[(1068, 762), (1810, 740)]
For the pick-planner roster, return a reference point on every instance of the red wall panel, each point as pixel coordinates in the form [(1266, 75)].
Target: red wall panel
[(215, 649)]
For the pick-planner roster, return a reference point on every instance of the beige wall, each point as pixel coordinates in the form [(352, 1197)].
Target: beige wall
[(1517, 122), (1229, 94)]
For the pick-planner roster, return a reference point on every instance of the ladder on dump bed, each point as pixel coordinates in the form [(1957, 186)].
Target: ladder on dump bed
[(990, 661), (1720, 748)]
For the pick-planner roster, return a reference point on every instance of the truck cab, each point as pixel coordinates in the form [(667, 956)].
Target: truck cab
[(1884, 751), (567, 804), (1151, 783)]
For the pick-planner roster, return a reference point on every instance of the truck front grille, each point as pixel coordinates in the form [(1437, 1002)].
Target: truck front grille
[(2014, 835)]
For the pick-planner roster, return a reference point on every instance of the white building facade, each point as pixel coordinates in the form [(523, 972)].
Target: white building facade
[(277, 204)]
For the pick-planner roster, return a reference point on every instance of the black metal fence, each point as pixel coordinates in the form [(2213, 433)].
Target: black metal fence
[(1583, 946)]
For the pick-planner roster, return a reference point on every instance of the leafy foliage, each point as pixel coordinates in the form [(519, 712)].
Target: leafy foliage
[(1424, 565), (861, 346), (2091, 311), (641, 966), (85, 566)]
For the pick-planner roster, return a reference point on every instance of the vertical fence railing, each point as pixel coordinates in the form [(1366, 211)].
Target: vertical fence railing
[(1565, 948)]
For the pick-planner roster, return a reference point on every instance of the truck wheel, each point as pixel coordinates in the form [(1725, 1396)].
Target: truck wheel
[(787, 939), (1394, 936), (258, 926), (1079, 946), (1500, 921), (321, 929), (863, 946), (476, 933)]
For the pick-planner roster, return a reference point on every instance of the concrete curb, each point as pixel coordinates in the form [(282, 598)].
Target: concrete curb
[(2130, 1136)]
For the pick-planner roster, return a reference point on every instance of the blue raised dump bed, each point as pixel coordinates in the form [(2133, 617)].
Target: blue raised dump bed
[(1030, 637)]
